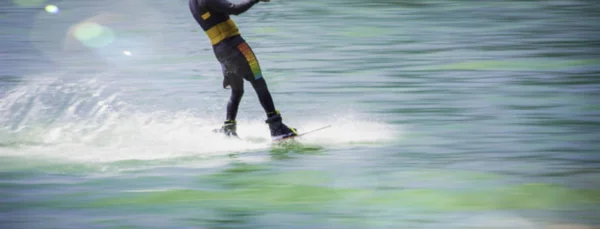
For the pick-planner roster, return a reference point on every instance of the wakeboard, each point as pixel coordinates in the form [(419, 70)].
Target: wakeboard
[(301, 134), (216, 131)]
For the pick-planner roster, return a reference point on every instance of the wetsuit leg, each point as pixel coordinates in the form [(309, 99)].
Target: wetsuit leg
[(260, 86), (236, 83), (239, 62), (237, 91), (253, 74)]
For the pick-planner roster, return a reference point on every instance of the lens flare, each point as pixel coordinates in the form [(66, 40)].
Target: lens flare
[(51, 9), (127, 53), (93, 34)]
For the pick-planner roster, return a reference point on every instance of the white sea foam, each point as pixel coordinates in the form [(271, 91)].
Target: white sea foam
[(87, 121)]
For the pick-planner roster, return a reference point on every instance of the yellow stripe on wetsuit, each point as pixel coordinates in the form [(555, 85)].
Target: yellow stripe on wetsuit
[(222, 31), (206, 15)]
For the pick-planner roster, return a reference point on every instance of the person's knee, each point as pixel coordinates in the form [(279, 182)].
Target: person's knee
[(237, 92), (259, 83)]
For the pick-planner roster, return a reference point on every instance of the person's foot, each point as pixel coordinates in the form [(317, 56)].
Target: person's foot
[(229, 128), (278, 129)]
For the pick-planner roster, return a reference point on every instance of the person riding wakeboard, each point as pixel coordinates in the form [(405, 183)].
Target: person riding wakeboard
[(238, 62)]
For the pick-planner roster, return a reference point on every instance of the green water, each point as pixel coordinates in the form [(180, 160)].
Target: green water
[(445, 114)]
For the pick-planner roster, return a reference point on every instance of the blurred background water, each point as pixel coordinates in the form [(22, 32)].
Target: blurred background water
[(445, 114)]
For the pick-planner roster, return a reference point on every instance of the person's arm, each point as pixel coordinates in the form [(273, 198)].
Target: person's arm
[(227, 7)]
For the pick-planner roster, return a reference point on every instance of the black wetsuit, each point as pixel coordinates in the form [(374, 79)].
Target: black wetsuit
[(235, 55)]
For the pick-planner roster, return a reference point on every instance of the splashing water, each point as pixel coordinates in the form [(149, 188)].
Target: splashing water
[(83, 121)]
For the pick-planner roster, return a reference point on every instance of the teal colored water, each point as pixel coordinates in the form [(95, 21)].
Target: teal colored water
[(445, 114)]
